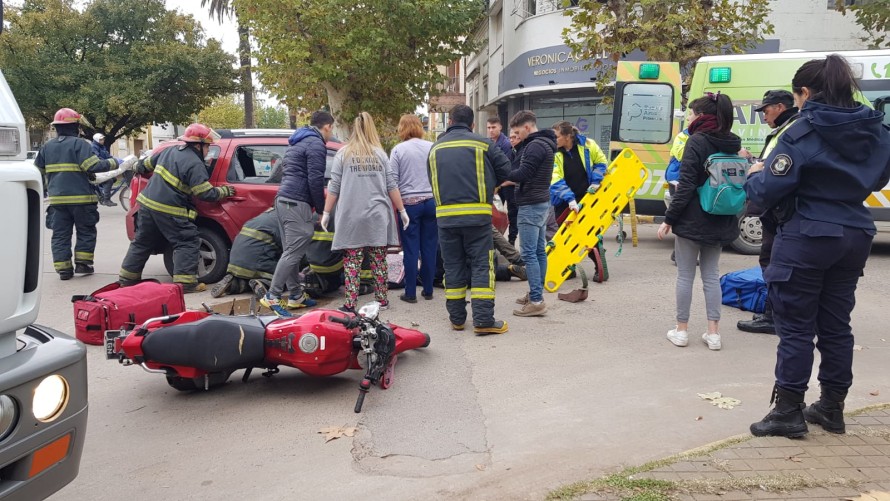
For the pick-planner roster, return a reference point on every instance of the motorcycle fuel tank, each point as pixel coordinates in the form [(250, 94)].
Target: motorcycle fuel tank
[(311, 343)]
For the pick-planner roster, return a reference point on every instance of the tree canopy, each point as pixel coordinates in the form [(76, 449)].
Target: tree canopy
[(874, 18), (123, 64), (381, 57), (666, 30), (227, 112)]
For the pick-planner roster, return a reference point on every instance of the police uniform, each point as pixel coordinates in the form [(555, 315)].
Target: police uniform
[(822, 168), (167, 214), (464, 169), (67, 163)]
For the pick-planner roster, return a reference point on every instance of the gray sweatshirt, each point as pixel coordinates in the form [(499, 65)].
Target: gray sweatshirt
[(364, 215), (408, 164)]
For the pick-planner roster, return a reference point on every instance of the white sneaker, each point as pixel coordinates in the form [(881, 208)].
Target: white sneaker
[(679, 338), (712, 340)]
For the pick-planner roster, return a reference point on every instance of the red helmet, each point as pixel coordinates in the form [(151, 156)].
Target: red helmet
[(66, 116), (199, 133)]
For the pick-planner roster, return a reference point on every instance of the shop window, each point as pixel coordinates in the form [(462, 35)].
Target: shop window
[(646, 113)]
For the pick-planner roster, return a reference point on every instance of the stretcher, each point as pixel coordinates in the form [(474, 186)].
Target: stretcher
[(581, 231)]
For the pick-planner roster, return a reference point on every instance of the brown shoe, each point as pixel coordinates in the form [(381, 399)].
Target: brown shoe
[(523, 299), (456, 327), (531, 310)]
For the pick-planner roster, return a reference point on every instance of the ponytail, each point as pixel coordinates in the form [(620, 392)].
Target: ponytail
[(829, 80), (719, 105)]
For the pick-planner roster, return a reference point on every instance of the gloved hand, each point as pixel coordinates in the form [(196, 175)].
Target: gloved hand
[(325, 219), (227, 191), (129, 163), (593, 187), (405, 219), (574, 206), (120, 161)]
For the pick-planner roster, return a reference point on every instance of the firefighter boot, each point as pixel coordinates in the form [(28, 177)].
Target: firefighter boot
[(760, 324), (83, 269), (195, 287), (786, 418), (828, 411)]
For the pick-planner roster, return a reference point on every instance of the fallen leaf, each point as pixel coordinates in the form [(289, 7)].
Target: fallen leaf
[(480, 467), (335, 432), (857, 347), (795, 459), (719, 400), (415, 324), (699, 418), (872, 496), (874, 393)]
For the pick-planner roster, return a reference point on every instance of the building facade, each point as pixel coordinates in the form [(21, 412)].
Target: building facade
[(524, 64)]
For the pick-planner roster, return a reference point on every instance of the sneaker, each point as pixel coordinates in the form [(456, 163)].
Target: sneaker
[(347, 309), (297, 302), (517, 271), (274, 304), (258, 288), (428, 297), (457, 327), (712, 340), (679, 338), (222, 287), (498, 327), (196, 287), (523, 299), (83, 269), (384, 305), (66, 275), (531, 310)]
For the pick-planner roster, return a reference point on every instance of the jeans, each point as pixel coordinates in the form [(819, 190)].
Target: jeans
[(420, 240), (532, 222), (687, 252)]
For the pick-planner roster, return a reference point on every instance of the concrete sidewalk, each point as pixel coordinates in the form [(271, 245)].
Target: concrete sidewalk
[(822, 466)]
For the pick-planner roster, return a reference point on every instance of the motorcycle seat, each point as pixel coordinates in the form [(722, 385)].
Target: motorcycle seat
[(213, 344)]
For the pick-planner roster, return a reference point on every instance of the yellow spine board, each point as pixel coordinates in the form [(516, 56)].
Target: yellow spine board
[(580, 232)]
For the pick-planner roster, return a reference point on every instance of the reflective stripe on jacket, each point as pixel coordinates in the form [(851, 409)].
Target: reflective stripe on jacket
[(595, 162), (178, 174), (464, 170), (67, 163), (257, 247)]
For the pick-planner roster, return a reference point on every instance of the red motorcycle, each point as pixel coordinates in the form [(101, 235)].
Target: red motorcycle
[(198, 349)]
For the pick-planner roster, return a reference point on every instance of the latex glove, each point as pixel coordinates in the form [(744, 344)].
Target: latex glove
[(663, 230), (325, 219), (120, 161), (227, 191), (574, 206), (405, 219), (593, 187)]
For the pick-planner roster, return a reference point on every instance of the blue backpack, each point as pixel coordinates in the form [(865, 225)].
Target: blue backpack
[(723, 194), (744, 289)]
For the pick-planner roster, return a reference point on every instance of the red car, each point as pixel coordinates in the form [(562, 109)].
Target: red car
[(245, 158)]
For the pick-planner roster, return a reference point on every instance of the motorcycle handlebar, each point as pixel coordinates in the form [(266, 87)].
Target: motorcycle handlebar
[(345, 321)]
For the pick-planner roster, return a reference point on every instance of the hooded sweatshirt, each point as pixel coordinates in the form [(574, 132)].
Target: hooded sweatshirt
[(535, 167), (826, 164), (685, 215), (303, 168)]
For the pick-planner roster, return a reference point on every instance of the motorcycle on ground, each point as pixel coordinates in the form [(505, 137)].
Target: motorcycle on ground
[(200, 349)]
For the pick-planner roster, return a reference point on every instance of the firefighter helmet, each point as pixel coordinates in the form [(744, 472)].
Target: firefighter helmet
[(199, 133), (66, 116)]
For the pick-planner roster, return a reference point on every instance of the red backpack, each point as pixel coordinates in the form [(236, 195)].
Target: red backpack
[(113, 307)]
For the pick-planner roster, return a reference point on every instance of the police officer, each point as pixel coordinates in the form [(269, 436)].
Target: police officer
[(464, 169), (167, 214), (816, 178), (779, 112), (254, 254), (68, 163)]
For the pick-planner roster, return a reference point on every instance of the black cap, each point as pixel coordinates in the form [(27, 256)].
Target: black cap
[(776, 97)]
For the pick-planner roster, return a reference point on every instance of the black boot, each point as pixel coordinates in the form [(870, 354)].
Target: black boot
[(83, 269), (786, 418), (828, 411), (760, 324)]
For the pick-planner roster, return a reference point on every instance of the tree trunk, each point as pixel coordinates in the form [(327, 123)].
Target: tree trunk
[(291, 117), (336, 98), (246, 75)]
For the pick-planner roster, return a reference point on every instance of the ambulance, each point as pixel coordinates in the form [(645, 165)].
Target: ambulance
[(746, 77)]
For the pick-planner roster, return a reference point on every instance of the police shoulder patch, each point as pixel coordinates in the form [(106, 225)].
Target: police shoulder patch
[(781, 165)]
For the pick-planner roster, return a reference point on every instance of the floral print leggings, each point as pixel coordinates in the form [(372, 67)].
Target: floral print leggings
[(352, 267)]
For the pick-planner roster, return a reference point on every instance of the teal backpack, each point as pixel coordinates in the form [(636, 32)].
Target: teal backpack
[(723, 194)]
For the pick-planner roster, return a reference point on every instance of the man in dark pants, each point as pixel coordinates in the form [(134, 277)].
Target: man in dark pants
[(779, 112), (166, 212), (102, 153), (68, 163), (464, 169), (507, 193)]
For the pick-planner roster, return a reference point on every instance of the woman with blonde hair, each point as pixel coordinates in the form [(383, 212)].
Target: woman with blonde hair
[(365, 222), (421, 238)]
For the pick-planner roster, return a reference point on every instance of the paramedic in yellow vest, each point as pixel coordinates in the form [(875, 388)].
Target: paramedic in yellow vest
[(578, 168), (779, 112)]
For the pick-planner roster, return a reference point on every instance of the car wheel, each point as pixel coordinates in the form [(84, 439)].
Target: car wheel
[(750, 236), (213, 251)]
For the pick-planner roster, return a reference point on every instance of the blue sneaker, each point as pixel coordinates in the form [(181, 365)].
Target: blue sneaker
[(297, 302), (274, 304)]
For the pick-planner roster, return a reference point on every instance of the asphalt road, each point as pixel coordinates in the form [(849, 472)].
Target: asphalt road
[(590, 387)]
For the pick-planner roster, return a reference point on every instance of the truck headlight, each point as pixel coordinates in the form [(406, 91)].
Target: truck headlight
[(10, 143), (8, 416), (50, 398), (308, 343)]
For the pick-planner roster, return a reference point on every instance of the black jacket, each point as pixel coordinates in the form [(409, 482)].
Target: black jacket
[(535, 167), (178, 174), (685, 215), (68, 162), (303, 168)]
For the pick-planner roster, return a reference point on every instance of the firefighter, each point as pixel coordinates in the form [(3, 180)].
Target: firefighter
[(464, 169), (68, 164), (254, 254), (167, 213)]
